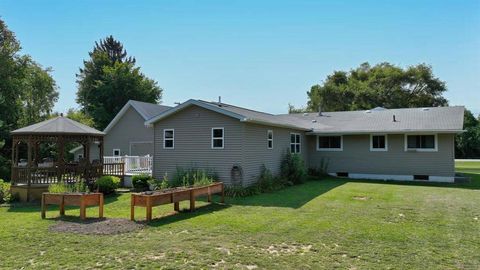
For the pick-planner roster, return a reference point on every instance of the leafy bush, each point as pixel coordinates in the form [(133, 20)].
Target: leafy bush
[(320, 170), (267, 182), (62, 187), (239, 191), (5, 194), (159, 184), (193, 176), (141, 182), (293, 168), (107, 184)]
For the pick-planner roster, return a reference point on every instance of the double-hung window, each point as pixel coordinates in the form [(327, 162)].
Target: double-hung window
[(269, 139), (218, 138), (168, 138), (295, 144), (378, 143), (425, 143), (329, 143)]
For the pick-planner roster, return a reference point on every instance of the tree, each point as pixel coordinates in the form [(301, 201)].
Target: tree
[(383, 85), (39, 92), (467, 144), (27, 93), (109, 79), (76, 115)]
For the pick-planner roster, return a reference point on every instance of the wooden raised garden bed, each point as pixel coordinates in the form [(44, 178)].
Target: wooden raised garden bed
[(73, 199), (175, 196)]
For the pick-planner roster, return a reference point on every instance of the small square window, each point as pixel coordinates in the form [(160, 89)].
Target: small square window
[(116, 152), (378, 143), (168, 138), (217, 138)]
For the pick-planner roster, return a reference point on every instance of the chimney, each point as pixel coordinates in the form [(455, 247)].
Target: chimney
[(319, 110), (394, 120)]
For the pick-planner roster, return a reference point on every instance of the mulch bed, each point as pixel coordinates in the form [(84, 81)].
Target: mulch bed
[(104, 226)]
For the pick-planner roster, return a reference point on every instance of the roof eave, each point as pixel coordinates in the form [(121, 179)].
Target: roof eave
[(359, 132)]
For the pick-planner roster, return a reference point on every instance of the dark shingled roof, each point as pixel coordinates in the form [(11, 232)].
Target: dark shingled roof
[(58, 125)]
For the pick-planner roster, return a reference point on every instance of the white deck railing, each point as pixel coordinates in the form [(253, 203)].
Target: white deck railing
[(133, 164)]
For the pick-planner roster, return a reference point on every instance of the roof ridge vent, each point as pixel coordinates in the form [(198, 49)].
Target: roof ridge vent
[(425, 109), (378, 109), (368, 111), (305, 114)]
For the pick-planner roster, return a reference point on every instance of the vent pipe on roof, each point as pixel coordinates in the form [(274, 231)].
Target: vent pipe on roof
[(319, 110), (219, 99), (394, 120)]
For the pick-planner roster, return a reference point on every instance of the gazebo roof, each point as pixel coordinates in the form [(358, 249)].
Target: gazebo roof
[(58, 126)]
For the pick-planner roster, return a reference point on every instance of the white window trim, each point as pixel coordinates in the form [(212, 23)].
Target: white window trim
[(170, 139), (119, 152), (268, 139), (217, 138), (378, 149), (330, 149), (295, 143), (435, 149)]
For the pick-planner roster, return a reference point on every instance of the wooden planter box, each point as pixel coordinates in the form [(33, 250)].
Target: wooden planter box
[(175, 196), (73, 199)]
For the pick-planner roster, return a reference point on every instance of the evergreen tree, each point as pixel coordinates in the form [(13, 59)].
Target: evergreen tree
[(109, 79)]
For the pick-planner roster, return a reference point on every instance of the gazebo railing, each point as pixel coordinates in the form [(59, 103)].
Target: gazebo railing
[(69, 173)]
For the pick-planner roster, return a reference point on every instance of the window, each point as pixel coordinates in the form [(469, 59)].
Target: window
[(116, 152), (330, 143), (270, 139), (421, 142), (378, 143), (168, 138), (295, 144), (217, 138), (79, 157)]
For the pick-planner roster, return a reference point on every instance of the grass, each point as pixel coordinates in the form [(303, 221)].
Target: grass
[(328, 223)]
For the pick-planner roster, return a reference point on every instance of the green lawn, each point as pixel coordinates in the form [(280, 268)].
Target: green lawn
[(321, 224)]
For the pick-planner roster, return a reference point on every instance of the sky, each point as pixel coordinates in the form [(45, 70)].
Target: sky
[(258, 54)]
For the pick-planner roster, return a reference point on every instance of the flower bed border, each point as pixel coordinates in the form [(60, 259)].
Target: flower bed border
[(73, 199), (174, 196)]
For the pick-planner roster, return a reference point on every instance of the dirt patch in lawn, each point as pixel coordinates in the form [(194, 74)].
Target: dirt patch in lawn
[(102, 226), (361, 198)]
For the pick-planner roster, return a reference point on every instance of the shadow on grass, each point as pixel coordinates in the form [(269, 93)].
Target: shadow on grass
[(172, 217), (24, 207), (291, 197), (473, 184)]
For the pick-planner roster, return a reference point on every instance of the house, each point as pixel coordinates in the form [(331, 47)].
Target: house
[(127, 134), (390, 144)]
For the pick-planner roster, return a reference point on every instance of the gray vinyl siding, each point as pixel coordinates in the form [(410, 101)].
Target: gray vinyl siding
[(193, 127), (356, 157), (256, 153), (130, 128)]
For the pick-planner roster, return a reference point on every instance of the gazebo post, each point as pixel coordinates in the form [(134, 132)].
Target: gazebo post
[(29, 166), (60, 162), (14, 162)]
